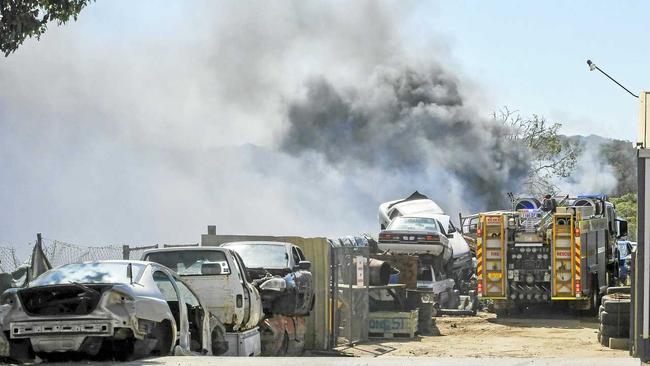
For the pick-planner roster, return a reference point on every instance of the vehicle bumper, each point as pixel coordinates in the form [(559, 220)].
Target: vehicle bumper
[(434, 249), (60, 335)]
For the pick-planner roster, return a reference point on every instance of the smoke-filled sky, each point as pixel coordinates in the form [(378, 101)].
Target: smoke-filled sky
[(140, 124)]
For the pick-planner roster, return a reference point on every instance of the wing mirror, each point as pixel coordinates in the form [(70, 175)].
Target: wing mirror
[(211, 268), (622, 228), (304, 265)]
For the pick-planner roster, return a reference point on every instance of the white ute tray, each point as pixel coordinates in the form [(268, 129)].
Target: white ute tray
[(246, 343)]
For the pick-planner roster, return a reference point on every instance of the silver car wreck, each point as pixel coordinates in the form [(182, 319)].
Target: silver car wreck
[(106, 309)]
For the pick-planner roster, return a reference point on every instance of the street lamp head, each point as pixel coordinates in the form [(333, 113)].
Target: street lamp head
[(592, 66)]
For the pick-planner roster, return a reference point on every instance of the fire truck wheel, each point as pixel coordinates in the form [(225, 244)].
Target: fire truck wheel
[(615, 319), (617, 303), (594, 301)]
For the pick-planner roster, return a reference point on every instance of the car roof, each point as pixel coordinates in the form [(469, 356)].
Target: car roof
[(124, 261), (276, 243), (421, 216), (175, 249)]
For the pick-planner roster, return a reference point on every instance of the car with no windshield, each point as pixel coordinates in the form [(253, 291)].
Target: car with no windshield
[(281, 272), (106, 309)]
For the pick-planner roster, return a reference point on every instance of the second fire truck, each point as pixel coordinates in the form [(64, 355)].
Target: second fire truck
[(562, 250)]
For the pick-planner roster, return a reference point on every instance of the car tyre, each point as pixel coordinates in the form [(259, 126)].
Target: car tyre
[(616, 303), (614, 331), (164, 335), (603, 340), (614, 319), (284, 347)]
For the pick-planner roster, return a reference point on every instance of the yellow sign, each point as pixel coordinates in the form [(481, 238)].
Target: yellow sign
[(495, 275)]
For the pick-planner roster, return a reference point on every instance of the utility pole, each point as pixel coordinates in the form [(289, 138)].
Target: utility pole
[(640, 312)]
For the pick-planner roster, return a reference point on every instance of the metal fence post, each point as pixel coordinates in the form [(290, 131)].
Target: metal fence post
[(641, 292), (125, 251)]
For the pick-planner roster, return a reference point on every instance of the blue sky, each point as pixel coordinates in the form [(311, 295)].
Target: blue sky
[(532, 56)]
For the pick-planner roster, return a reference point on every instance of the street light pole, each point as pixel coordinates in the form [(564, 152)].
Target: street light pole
[(592, 67), (640, 301)]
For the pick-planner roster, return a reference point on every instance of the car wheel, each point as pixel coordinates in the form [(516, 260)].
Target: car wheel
[(284, 348), (163, 335), (219, 343)]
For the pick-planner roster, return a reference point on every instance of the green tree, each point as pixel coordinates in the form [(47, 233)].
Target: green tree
[(626, 207), (552, 155), (22, 19)]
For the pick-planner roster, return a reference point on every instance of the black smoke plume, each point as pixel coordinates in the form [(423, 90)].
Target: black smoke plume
[(413, 123)]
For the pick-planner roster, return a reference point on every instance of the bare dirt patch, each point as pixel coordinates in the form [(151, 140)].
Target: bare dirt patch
[(561, 334)]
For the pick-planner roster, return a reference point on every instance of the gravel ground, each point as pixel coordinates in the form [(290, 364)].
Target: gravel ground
[(562, 335)]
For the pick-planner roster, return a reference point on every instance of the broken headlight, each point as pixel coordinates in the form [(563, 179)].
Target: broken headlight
[(426, 298), (8, 299), (274, 284)]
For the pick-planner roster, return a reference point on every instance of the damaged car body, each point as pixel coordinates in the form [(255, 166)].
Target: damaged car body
[(106, 309), (281, 273)]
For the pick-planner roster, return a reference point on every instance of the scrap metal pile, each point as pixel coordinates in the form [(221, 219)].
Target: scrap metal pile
[(176, 301), (421, 262)]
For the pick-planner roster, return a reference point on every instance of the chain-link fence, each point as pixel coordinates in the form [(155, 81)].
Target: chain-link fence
[(60, 253), (350, 294), (8, 260)]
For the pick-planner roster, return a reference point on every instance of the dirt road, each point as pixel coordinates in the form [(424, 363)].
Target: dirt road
[(549, 335)]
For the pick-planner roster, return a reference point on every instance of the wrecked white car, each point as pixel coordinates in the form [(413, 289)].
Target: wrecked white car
[(108, 310), (281, 272)]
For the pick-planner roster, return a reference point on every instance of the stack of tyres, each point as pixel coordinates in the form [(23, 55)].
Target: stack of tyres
[(614, 317)]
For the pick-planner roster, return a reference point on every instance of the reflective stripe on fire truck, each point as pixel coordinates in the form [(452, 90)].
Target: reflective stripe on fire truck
[(564, 256), (479, 259), (490, 254), (577, 260)]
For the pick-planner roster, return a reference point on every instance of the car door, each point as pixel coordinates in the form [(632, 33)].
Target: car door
[(303, 281), (169, 291), (196, 317), (252, 301)]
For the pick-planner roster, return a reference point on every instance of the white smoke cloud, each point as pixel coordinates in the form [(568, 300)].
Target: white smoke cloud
[(133, 124), (592, 173)]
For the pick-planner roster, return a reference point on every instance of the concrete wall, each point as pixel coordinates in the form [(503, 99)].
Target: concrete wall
[(317, 251)]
